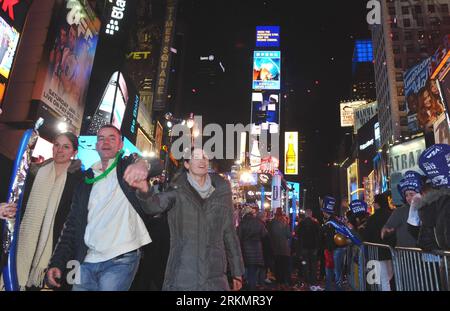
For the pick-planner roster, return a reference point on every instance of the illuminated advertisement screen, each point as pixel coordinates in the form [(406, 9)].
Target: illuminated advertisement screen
[(380, 174), (266, 110), (347, 112), (9, 38), (291, 153), (266, 70), (67, 60), (352, 182), (402, 158), (267, 36), (294, 189), (89, 156), (423, 100)]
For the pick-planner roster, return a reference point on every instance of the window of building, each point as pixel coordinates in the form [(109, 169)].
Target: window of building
[(418, 9), (444, 8), (391, 10), (408, 35), (419, 21), (434, 21), (398, 63), (406, 22), (420, 35), (431, 8), (395, 36), (405, 10), (398, 76), (410, 48), (446, 20), (396, 50), (400, 91)]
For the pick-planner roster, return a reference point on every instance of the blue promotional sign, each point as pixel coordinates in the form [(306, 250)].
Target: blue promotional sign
[(267, 36), (295, 189), (358, 207), (266, 70), (435, 162)]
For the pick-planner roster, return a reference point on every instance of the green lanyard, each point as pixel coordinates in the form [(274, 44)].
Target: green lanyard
[(90, 181)]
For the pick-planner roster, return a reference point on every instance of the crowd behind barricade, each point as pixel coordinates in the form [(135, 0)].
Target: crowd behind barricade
[(107, 217)]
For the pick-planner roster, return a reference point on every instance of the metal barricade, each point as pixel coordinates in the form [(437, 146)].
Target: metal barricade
[(412, 268), (421, 271)]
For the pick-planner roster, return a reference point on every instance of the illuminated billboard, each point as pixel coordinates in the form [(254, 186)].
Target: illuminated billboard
[(266, 70), (404, 157), (267, 36), (266, 110), (347, 112), (67, 60), (294, 189), (353, 182), (9, 38), (291, 153)]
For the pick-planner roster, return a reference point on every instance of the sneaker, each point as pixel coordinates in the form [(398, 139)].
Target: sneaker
[(319, 289), (313, 288)]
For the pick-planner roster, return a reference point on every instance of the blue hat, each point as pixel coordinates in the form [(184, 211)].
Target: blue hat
[(328, 204), (408, 184), (413, 175), (435, 162), (358, 207)]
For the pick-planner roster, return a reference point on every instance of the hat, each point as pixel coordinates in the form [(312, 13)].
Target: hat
[(408, 184), (435, 162), (328, 204), (358, 207)]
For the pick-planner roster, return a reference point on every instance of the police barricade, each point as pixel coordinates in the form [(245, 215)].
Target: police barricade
[(412, 269)]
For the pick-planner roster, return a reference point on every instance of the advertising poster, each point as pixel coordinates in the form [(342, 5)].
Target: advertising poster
[(445, 90), (441, 130), (266, 110), (276, 191), (266, 70), (143, 143), (294, 189), (380, 174), (291, 153), (352, 181), (9, 38), (423, 101), (267, 36), (347, 112), (67, 60), (402, 158), (363, 114)]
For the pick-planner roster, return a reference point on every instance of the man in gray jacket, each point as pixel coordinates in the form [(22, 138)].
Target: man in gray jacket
[(202, 235)]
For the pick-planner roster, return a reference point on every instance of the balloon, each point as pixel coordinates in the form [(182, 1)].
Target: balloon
[(341, 240)]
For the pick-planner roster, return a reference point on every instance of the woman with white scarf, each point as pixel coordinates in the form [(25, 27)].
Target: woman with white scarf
[(46, 204)]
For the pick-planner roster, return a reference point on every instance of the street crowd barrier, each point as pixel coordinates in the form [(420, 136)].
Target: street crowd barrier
[(412, 269)]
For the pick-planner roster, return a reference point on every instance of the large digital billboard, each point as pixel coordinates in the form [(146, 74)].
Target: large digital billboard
[(267, 36), (9, 38), (266, 70), (402, 158), (291, 153), (423, 100), (266, 110), (68, 58)]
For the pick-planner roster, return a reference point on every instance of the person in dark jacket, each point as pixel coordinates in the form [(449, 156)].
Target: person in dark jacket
[(434, 211), (372, 233), (105, 228), (251, 231), (308, 235), (279, 233), (203, 238), (46, 203)]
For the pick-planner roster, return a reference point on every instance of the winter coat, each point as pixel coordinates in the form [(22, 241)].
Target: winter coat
[(372, 232), (251, 231), (308, 234), (74, 176), (202, 235), (71, 244), (279, 234), (434, 212)]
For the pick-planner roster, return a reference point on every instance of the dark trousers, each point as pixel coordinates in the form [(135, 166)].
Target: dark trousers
[(282, 269), (310, 266), (251, 276)]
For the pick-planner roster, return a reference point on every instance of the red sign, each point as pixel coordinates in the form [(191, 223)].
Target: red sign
[(8, 7)]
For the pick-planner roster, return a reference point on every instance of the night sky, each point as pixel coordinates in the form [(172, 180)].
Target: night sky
[(317, 45)]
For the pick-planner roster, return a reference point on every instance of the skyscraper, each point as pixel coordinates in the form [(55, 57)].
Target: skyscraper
[(363, 76), (410, 31)]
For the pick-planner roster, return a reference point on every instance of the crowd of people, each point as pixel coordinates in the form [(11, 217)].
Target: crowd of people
[(89, 231)]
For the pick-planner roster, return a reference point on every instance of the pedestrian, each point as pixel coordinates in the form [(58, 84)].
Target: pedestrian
[(308, 236), (46, 203), (203, 237), (105, 228), (279, 233), (251, 231)]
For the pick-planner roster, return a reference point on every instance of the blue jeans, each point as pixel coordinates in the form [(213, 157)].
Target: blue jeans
[(338, 257), (115, 274)]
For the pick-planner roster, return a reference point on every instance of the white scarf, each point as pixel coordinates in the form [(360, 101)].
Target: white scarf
[(204, 191), (36, 230)]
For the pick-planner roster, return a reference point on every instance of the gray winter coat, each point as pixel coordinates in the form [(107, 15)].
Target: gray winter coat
[(202, 235), (279, 234)]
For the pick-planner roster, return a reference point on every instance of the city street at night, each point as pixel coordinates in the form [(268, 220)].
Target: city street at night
[(235, 153)]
